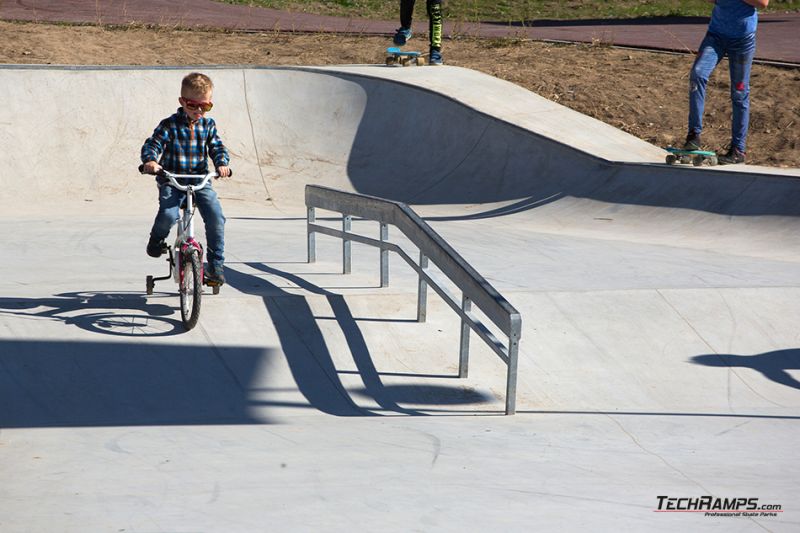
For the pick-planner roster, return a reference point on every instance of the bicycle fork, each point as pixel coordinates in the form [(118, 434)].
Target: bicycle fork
[(184, 245)]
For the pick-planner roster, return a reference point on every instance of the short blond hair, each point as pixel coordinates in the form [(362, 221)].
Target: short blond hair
[(196, 83)]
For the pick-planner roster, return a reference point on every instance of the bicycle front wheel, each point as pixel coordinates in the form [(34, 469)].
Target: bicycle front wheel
[(191, 288)]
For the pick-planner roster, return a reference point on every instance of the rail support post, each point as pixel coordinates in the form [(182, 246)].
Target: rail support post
[(347, 252), (384, 256), (511, 377), (422, 290), (311, 236), (463, 356)]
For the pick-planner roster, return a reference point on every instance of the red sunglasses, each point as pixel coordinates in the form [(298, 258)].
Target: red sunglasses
[(205, 107)]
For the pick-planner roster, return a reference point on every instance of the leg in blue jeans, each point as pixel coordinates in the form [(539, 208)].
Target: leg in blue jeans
[(708, 57), (740, 54), (740, 57), (169, 201), (211, 211)]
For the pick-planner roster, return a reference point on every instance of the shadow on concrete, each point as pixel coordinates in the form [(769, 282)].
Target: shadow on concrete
[(68, 383), (420, 147), (311, 361), (46, 384), (772, 365), (126, 314), (510, 209), (430, 394)]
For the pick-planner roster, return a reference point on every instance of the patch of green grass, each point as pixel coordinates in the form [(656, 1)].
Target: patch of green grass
[(516, 11)]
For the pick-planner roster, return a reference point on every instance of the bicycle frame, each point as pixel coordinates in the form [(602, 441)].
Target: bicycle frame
[(185, 235), (186, 255)]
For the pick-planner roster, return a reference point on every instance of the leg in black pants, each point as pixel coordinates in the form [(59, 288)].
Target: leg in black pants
[(406, 13), (435, 23)]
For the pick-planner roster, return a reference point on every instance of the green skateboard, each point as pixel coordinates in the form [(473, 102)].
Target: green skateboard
[(695, 157)]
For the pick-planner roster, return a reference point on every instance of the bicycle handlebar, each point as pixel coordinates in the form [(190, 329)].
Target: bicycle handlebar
[(173, 178)]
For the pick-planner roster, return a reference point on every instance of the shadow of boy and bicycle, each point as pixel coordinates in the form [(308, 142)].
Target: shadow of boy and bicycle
[(127, 314)]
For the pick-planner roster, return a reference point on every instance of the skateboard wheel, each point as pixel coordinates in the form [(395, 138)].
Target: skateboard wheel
[(685, 159), (215, 289), (421, 61), (150, 285), (697, 160), (671, 159), (713, 161)]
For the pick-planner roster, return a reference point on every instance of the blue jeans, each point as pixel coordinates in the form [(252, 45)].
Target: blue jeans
[(169, 201), (740, 54)]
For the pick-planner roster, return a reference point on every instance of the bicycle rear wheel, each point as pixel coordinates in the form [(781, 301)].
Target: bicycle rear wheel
[(191, 288)]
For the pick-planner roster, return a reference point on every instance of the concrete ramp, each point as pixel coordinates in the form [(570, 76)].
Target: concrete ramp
[(659, 355)]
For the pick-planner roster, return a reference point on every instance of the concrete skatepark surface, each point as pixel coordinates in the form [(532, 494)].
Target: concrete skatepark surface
[(659, 355)]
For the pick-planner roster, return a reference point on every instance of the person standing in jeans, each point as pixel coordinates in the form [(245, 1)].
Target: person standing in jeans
[(731, 32), (435, 21)]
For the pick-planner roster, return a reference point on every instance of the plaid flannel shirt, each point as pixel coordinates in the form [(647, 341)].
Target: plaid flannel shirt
[(183, 148)]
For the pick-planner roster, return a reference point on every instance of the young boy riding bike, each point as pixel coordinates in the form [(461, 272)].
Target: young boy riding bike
[(181, 144)]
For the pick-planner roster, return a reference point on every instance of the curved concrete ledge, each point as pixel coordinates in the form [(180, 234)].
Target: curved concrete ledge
[(423, 136)]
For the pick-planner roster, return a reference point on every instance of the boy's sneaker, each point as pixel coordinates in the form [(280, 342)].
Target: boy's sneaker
[(401, 36), (733, 157), (693, 142), (214, 278), (156, 247), (436, 57)]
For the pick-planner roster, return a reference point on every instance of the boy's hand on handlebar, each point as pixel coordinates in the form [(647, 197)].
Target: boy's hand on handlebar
[(223, 171), (151, 167)]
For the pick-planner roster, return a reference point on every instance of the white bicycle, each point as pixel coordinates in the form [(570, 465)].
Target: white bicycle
[(185, 257)]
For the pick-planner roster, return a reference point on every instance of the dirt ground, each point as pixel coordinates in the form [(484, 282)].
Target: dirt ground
[(643, 93)]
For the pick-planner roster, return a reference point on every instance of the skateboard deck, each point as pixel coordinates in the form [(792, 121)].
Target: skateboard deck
[(695, 157), (396, 56)]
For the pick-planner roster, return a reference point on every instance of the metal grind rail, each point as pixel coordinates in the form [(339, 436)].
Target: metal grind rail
[(474, 288)]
